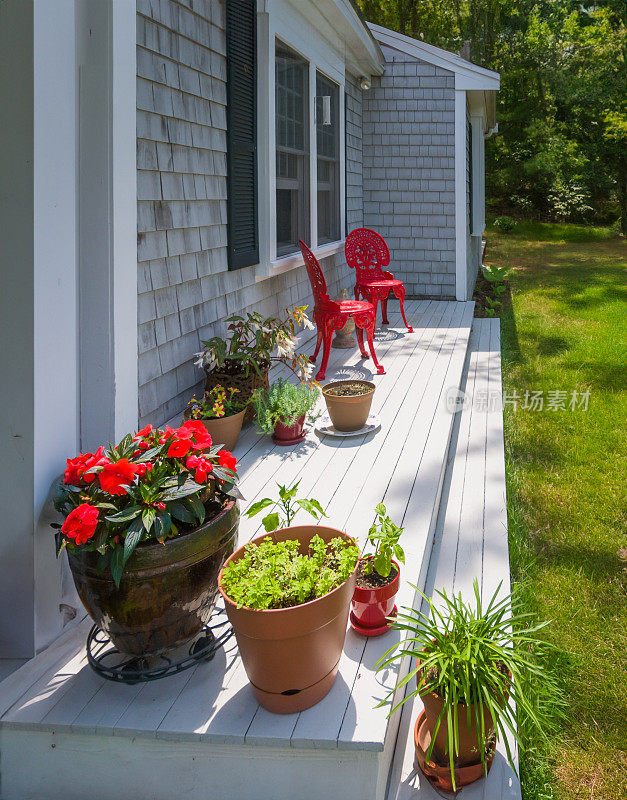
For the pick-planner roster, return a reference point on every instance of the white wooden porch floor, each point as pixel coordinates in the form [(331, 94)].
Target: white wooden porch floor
[(470, 541), (66, 733)]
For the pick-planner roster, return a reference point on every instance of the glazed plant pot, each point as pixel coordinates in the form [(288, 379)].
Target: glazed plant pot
[(167, 592), (291, 655), (469, 751), (348, 412), (245, 384), (225, 430), (286, 435), (439, 774), (371, 607)]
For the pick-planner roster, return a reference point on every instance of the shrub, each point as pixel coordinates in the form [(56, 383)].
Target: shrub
[(276, 575), (283, 402), (504, 224)]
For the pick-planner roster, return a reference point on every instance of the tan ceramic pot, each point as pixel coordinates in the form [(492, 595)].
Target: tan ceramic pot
[(348, 412), (225, 431), (291, 655)]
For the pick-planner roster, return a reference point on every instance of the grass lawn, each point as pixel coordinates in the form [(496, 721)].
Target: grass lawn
[(567, 474)]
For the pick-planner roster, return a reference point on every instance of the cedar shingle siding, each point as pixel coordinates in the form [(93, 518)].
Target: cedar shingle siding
[(409, 172), (185, 289)]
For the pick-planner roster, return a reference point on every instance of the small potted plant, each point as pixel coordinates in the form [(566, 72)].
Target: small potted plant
[(255, 342), (221, 412), (287, 595), (474, 667), (348, 403), (147, 526), (282, 409), (378, 577)]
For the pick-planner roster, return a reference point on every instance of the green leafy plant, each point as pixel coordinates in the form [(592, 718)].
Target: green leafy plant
[(383, 536), (495, 274), (475, 656), (150, 487), (283, 402), (255, 341), (504, 224), (215, 404), (287, 507), (492, 306), (277, 575)]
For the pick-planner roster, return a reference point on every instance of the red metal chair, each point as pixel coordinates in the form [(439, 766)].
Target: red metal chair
[(331, 315), (367, 253)]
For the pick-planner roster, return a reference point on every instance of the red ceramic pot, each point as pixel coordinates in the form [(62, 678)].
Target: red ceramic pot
[(372, 607), (286, 435)]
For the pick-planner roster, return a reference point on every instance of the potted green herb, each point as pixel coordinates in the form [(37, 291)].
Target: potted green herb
[(221, 412), (473, 668), (378, 576), (287, 595), (282, 409), (254, 343)]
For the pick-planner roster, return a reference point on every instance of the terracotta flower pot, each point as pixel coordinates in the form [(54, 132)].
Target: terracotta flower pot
[(225, 430), (439, 774), (167, 592), (286, 435), (291, 655), (371, 607), (348, 412), (469, 751)]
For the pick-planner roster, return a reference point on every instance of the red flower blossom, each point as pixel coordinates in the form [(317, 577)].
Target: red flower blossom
[(179, 448), (226, 459), (117, 476), (80, 524), (203, 470), (140, 469), (201, 438), (160, 506), (77, 467), (144, 432)]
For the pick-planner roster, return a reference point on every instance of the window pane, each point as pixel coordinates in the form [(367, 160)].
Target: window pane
[(328, 142), (292, 151)]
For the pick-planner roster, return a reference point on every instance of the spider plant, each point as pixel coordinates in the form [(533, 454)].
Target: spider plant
[(474, 656)]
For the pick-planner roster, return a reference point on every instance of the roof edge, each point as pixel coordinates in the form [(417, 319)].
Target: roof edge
[(435, 55)]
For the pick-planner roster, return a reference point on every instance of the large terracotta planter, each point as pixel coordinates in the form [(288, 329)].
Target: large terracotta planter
[(372, 607), (286, 435), (226, 430), (246, 384), (167, 592), (291, 655), (439, 774), (348, 413)]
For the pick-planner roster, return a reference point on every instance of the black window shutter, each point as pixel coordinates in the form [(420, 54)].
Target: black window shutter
[(241, 138)]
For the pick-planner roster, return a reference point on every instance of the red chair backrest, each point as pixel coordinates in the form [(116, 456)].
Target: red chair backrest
[(367, 253), (316, 278)]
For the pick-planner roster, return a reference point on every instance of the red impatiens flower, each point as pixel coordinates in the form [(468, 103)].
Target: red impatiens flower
[(77, 467), (80, 524), (179, 448), (144, 432), (117, 476), (202, 466), (227, 460), (201, 437)]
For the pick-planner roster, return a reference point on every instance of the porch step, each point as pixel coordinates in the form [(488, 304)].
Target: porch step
[(470, 541), (201, 734)]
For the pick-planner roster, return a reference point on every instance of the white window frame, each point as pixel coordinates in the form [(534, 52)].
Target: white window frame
[(284, 24)]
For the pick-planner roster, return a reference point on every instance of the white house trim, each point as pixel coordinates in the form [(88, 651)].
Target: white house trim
[(475, 77), (461, 235), (280, 20)]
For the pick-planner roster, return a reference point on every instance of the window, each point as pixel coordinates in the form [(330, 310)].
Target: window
[(328, 150), (292, 150)]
